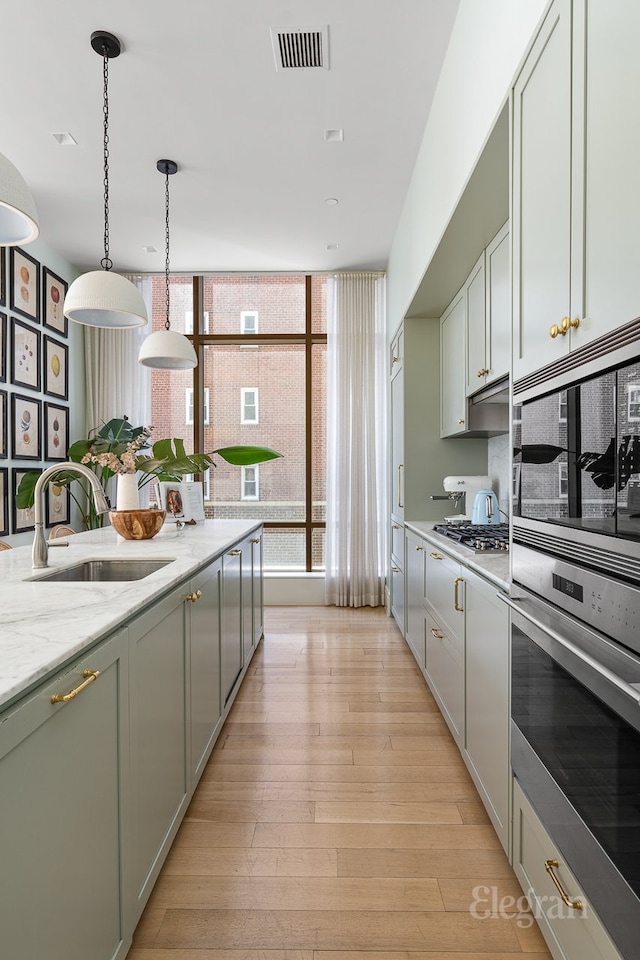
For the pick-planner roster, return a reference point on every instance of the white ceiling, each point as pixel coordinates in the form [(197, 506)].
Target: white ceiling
[(197, 83)]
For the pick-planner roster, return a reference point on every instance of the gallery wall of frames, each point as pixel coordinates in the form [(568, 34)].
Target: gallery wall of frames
[(34, 384)]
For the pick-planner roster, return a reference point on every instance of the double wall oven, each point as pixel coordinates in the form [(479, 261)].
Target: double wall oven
[(575, 731)]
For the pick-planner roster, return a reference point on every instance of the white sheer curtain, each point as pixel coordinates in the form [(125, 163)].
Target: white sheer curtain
[(356, 441), (116, 384)]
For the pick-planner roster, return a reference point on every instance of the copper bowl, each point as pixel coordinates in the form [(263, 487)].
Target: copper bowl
[(137, 524)]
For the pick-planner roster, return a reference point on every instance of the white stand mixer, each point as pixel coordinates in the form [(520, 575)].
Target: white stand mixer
[(455, 488)]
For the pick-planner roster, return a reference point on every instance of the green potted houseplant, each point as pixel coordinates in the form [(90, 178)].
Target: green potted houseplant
[(121, 450)]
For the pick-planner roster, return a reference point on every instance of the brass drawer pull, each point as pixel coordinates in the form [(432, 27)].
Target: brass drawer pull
[(550, 866), (256, 540), (419, 548), (437, 634), (456, 599), (460, 421), (483, 372), (436, 556), (235, 553), (194, 596), (89, 677)]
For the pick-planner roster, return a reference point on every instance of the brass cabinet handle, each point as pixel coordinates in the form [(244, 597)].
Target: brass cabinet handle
[(395, 526), (395, 359), (256, 540), (460, 420), (550, 866), (194, 596), (400, 467), (235, 553), (483, 372), (437, 634), (395, 569), (456, 603), (568, 324), (419, 548), (436, 556), (565, 325), (89, 677)]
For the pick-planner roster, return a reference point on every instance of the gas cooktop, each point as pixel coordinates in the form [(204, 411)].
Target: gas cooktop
[(480, 538)]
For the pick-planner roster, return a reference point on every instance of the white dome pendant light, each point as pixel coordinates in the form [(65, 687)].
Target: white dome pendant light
[(166, 349), (18, 217), (101, 298)]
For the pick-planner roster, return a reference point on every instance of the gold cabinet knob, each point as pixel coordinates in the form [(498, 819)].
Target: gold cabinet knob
[(483, 372), (460, 420), (395, 359), (194, 596), (419, 548), (568, 324), (554, 331)]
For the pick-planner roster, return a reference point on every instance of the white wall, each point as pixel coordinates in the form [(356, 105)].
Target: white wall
[(488, 42)]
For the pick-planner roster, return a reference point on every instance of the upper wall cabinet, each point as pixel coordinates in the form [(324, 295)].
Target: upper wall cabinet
[(474, 340), (576, 185)]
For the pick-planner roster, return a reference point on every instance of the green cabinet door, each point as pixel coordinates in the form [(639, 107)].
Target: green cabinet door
[(231, 657), (159, 773), (62, 770), (205, 699)]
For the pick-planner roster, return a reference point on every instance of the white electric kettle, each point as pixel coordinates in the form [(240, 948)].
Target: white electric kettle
[(485, 508)]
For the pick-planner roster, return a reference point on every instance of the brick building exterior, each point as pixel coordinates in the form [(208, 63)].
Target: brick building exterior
[(255, 393)]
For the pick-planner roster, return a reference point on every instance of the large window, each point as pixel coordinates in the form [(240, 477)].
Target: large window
[(256, 384)]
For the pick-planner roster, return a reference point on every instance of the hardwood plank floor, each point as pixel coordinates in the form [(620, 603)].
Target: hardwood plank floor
[(335, 819)]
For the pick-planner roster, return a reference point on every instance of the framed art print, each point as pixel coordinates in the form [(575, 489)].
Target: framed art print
[(57, 504), (23, 520), (4, 451), (4, 502), (56, 431), (55, 363), (25, 427), (54, 290), (25, 355), (24, 284), (3, 347), (3, 278)]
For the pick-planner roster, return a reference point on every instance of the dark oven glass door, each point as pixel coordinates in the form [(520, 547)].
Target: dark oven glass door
[(578, 761), (577, 455)]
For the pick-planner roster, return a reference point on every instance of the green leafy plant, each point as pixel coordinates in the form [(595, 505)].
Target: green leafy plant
[(119, 447)]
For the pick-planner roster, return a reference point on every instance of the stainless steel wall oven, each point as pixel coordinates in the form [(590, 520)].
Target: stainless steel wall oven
[(575, 730)]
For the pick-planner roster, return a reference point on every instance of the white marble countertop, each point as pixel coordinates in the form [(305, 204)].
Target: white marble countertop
[(494, 567), (44, 625)]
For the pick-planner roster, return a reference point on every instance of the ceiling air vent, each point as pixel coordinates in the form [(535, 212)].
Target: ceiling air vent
[(300, 48)]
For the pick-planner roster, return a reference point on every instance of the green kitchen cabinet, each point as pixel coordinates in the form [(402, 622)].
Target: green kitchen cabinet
[(160, 781), (203, 623), (63, 788)]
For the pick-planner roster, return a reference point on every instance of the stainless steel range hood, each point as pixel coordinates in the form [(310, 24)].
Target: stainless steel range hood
[(488, 411)]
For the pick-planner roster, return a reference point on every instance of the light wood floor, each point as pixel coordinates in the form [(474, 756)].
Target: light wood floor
[(335, 819)]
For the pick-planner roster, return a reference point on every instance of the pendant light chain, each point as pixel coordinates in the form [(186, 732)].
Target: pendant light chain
[(106, 262), (166, 246)]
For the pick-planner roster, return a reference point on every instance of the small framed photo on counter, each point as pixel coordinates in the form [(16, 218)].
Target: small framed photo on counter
[(182, 500)]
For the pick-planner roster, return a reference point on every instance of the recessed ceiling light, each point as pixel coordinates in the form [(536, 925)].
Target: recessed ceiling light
[(150, 249), (334, 135), (331, 201), (65, 139), (332, 246)]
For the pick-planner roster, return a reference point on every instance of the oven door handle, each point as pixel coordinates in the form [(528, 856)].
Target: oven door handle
[(599, 668)]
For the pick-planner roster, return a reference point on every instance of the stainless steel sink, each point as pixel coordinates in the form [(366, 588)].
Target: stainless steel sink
[(101, 571)]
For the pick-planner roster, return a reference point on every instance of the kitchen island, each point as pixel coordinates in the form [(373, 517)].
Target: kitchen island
[(113, 695)]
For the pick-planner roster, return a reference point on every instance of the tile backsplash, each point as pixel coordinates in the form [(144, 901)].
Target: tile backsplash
[(499, 469)]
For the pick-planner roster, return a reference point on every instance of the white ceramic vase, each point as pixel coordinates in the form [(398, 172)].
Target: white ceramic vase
[(127, 494)]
